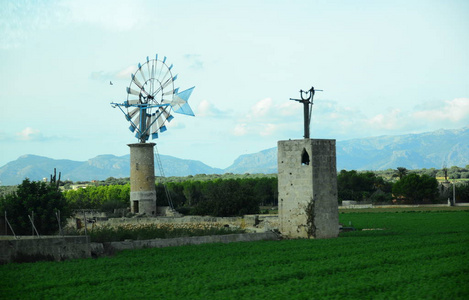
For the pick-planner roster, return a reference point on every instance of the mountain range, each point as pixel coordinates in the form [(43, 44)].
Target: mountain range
[(412, 151)]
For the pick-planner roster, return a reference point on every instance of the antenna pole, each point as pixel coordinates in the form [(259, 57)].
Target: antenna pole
[(307, 99)]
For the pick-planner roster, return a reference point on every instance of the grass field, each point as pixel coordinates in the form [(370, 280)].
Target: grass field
[(407, 255)]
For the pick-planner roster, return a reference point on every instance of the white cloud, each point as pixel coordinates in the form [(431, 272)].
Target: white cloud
[(347, 122), (261, 108), (195, 61), (390, 120), (240, 129), (288, 108), (267, 118), (455, 110), (268, 129), (125, 73), (29, 134), (207, 109)]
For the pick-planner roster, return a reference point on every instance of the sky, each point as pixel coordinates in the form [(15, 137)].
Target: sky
[(385, 68)]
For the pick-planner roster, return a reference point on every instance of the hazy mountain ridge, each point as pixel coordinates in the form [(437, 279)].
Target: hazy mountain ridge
[(264, 161), (412, 151), (98, 168)]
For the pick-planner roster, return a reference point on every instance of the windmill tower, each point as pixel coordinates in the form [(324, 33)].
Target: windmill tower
[(151, 97), (307, 183)]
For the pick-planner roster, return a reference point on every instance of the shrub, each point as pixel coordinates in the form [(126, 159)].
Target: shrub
[(38, 198)]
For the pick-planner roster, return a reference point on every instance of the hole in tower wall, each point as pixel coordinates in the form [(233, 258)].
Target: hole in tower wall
[(304, 158)]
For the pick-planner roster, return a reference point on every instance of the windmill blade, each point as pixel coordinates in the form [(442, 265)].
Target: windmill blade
[(167, 72), (148, 67), (147, 126), (169, 92), (167, 82), (167, 115), (131, 114), (136, 123), (160, 121), (132, 102), (154, 125), (161, 69), (139, 84), (136, 81), (141, 72), (152, 83), (133, 92)]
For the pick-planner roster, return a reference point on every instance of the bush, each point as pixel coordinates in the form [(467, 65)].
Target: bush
[(416, 188), (39, 199)]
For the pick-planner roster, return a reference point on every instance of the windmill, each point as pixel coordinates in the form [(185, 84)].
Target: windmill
[(151, 99)]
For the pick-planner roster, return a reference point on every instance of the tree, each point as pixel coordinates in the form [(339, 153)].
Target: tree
[(400, 172), (40, 198), (356, 186), (462, 192), (224, 198), (416, 188)]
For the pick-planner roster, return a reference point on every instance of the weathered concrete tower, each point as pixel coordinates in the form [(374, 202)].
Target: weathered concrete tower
[(142, 179), (307, 188)]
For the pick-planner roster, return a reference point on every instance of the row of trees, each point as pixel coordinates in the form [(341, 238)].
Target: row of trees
[(220, 197), (410, 188)]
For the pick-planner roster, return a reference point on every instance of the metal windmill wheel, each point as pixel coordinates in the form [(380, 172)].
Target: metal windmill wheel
[(151, 97)]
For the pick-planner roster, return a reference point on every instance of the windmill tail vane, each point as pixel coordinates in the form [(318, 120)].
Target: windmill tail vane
[(151, 97)]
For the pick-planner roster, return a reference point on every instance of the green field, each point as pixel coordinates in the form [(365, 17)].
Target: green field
[(408, 255)]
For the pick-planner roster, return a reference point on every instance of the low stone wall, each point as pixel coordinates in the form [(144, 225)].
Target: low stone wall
[(194, 240), (29, 249), (185, 219), (356, 206), (255, 223)]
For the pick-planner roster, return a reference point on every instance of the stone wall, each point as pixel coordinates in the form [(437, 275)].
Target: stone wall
[(307, 186), (252, 223), (31, 249), (195, 240), (28, 248)]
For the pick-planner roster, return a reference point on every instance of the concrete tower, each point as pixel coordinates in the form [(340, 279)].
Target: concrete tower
[(307, 188), (142, 179)]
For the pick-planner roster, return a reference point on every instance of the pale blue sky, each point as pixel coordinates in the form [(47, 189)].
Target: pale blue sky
[(386, 67)]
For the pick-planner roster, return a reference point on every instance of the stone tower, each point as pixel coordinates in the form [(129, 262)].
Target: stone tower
[(307, 188), (142, 179)]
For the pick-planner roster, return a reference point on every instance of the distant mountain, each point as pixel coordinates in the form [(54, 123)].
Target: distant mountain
[(261, 162), (99, 168), (412, 151)]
